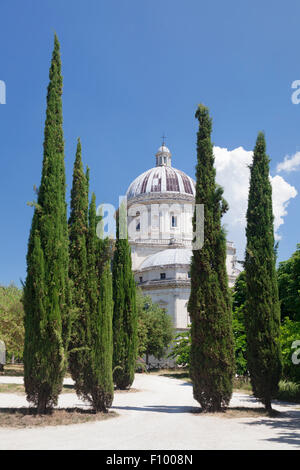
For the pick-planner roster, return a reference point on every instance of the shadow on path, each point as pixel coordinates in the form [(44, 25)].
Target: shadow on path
[(288, 428), (160, 408)]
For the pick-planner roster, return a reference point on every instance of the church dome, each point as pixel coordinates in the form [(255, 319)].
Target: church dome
[(167, 257), (162, 179)]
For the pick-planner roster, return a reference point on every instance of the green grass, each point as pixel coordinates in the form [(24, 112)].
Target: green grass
[(289, 391)]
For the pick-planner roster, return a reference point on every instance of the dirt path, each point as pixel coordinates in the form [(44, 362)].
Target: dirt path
[(159, 417)]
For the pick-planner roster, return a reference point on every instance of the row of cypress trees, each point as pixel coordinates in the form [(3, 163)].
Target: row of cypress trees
[(68, 293), (212, 356)]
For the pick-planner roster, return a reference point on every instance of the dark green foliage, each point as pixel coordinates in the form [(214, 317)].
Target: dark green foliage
[(99, 389), (240, 341), (238, 324), (91, 340), (212, 359), (155, 328), (46, 291), (239, 291), (262, 313), (125, 316), (78, 222), (289, 286), (102, 335)]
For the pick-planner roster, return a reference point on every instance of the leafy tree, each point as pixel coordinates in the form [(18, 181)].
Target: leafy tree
[(262, 313), (212, 356), (11, 321), (181, 350), (289, 286), (290, 332), (125, 316), (142, 329), (46, 290), (155, 328)]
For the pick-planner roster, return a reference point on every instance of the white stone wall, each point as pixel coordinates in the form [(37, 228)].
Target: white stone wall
[(154, 221), (154, 235), (181, 299)]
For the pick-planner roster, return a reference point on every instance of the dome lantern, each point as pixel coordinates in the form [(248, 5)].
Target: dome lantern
[(163, 156)]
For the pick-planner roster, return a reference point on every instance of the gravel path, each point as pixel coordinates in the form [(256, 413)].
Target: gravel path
[(158, 417)]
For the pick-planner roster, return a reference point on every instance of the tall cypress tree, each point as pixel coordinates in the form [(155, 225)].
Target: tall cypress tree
[(212, 357), (262, 316), (97, 381), (125, 315), (102, 333), (46, 290), (78, 271)]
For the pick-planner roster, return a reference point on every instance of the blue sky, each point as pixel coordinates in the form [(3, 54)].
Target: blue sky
[(133, 70)]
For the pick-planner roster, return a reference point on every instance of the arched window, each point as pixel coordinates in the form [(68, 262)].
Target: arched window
[(173, 221)]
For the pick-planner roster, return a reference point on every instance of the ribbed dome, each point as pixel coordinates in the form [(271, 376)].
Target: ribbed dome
[(168, 257), (161, 179)]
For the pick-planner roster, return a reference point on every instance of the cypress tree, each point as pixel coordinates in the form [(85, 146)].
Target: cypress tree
[(212, 357), (125, 315), (102, 333), (78, 271), (98, 381), (46, 290), (262, 316)]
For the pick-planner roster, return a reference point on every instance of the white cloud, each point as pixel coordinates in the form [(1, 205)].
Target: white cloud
[(282, 193), (289, 163), (233, 173)]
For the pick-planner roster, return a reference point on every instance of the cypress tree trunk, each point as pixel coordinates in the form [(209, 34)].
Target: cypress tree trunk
[(78, 272), (125, 315), (262, 316), (212, 356), (46, 290)]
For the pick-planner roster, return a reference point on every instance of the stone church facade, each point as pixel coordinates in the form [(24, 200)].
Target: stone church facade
[(160, 208)]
